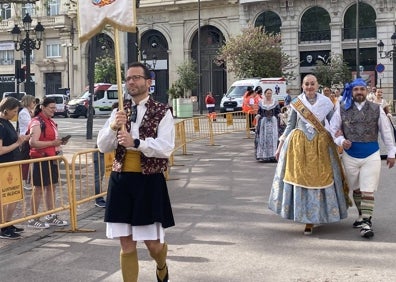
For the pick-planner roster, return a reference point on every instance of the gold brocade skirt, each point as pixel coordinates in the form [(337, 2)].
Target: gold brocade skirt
[(308, 162)]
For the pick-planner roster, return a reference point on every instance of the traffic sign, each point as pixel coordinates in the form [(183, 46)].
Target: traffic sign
[(379, 68)]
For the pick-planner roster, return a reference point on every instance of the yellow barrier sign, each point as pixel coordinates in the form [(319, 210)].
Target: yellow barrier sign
[(108, 162), (11, 184), (229, 119), (196, 125)]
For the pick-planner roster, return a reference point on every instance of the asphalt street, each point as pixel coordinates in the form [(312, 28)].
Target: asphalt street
[(224, 231)]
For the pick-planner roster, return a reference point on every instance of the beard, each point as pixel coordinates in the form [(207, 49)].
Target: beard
[(359, 98)]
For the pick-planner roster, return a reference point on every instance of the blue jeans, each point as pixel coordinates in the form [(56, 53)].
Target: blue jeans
[(99, 169)]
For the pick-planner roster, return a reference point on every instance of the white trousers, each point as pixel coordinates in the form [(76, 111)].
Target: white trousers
[(139, 233), (364, 173)]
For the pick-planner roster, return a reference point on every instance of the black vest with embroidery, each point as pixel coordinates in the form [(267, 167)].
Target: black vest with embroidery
[(148, 128), (360, 126)]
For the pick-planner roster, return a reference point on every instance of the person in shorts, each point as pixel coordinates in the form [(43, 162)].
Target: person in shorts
[(44, 142)]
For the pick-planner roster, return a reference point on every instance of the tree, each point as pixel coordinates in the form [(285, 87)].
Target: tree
[(105, 70), (255, 53), (333, 71), (188, 77)]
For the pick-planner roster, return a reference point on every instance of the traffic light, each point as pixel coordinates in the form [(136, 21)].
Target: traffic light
[(22, 75), (17, 68)]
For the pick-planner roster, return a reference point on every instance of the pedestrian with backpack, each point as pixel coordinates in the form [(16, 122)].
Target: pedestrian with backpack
[(44, 142)]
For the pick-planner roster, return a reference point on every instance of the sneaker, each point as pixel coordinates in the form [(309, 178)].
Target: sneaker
[(366, 231), (8, 233), (358, 223), (100, 203), (54, 220), (27, 187), (16, 229), (308, 229), (37, 223)]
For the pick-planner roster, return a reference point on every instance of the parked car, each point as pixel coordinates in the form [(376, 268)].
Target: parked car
[(105, 95), (61, 102), (14, 94)]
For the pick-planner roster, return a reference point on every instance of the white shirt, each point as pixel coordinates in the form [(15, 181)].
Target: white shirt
[(384, 126), (160, 147), (24, 118)]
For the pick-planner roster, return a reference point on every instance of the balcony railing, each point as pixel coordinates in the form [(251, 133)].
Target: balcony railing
[(364, 32), (317, 36)]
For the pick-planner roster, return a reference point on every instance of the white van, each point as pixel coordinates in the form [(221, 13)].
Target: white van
[(105, 95), (233, 99)]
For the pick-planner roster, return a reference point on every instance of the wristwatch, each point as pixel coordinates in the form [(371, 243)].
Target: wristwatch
[(136, 143)]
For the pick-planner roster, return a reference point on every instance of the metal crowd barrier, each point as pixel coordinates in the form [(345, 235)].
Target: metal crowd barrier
[(12, 191), (76, 184)]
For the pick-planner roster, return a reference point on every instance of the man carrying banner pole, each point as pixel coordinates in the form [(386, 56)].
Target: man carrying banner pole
[(138, 206)]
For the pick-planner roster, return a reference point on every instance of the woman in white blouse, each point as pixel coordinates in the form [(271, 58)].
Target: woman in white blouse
[(28, 103)]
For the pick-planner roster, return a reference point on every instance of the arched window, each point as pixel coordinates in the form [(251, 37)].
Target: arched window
[(270, 22), (213, 77), (367, 17), (315, 25)]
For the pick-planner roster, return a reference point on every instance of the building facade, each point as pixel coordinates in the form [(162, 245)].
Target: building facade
[(168, 35)]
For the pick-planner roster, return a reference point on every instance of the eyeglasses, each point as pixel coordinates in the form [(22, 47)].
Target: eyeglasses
[(135, 77), (52, 108)]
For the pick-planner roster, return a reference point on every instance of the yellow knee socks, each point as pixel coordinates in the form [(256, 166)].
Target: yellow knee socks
[(129, 266), (160, 258)]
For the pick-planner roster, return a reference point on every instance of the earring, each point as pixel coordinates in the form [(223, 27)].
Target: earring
[(5, 112)]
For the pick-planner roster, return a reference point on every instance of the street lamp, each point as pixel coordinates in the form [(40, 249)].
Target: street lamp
[(27, 45), (144, 57), (68, 46), (154, 61), (391, 55)]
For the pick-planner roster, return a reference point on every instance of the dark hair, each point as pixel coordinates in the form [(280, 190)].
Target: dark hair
[(9, 103), (258, 89), (45, 103), (267, 89), (249, 89), (146, 71)]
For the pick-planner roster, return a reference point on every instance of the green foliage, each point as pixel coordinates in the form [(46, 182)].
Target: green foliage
[(175, 91), (105, 70), (187, 81), (333, 72), (255, 53), (188, 76)]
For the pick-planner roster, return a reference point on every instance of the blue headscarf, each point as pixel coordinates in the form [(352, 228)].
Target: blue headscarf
[(347, 94)]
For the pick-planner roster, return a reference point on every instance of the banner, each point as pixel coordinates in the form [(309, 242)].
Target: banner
[(93, 15)]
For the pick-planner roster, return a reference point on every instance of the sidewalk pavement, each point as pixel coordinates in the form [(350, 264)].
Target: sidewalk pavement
[(224, 232)]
